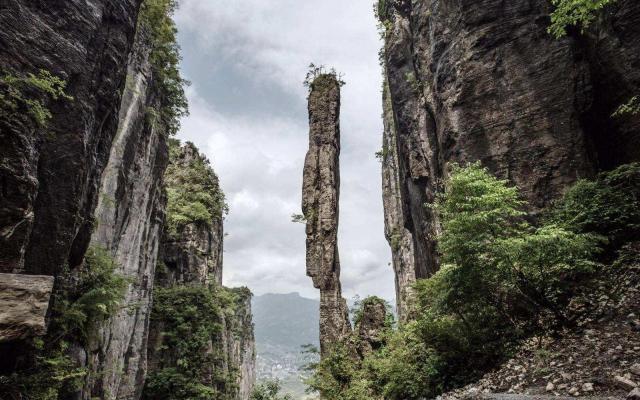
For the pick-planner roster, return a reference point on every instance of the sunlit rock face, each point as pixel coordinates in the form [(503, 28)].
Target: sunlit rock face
[(128, 224), (320, 196), (470, 81)]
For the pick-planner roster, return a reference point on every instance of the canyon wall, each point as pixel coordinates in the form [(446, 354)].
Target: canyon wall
[(85, 112), (63, 69), (320, 198), (128, 224), (470, 81), (50, 174)]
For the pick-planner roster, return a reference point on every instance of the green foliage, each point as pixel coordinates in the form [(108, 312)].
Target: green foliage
[(339, 375), (319, 76), (502, 280), (360, 305), (81, 302), (29, 95), (156, 19), (631, 107), (608, 206), (194, 194), (269, 390), (383, 153), (190, 317), (98, 294), (580, 13)]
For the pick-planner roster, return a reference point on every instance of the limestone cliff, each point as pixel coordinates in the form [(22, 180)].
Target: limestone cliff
[(128, 223), (320, 198), (50, 175), (63, 69), (483, 80), (193, 312)]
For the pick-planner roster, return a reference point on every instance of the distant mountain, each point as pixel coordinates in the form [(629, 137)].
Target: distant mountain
[(283, 324), (286, 320)]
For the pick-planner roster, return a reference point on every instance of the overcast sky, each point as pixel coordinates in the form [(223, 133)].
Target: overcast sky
[(246, 60)]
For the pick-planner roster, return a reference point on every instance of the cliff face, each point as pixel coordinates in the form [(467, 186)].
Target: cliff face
[(50, 175), (238, 342), (483, 81), (194, 252), (191, 265), (129, 219), (320, 196)]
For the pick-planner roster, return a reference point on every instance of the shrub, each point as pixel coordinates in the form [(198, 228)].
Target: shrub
[(319, 76), (269, 390), (608, 206), (190, 318), (80, 303), (29, 95), (194, 194), (580, 13), (156, 19)]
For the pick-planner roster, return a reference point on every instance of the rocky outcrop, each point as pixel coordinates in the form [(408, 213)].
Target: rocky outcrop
[(191, 257), (50, 175), (193, 253), (128, 224), (483, 81), (371, 326), (320, 196), (24, 300)]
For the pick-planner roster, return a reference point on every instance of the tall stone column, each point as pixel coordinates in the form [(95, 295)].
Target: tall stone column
[(320, 195)]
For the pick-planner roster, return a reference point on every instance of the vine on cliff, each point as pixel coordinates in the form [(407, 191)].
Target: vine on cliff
[(156, 19), (193, 190), (28, 95), (191, 319)]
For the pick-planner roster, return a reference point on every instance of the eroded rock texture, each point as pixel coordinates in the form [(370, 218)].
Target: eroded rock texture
[(129, 219), (320, 196), (194, 252), (191, 255), (24, 301), (371, 326), (50, 176), (484, 81)]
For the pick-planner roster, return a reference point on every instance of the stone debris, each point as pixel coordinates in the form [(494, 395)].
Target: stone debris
[(599, 359)]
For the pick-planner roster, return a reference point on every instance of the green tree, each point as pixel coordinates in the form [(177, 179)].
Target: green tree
[(269, 390), (580, 13)]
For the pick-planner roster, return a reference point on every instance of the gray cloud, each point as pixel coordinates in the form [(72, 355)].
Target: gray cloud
[(246, 60)]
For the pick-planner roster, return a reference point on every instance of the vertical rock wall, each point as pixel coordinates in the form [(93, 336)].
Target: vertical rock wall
[(194, 252), (129, 219), (192, 256), (320, 197), (50, 176), (483, 80)]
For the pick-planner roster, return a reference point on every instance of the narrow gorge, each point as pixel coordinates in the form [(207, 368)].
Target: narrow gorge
[(152, 153)]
